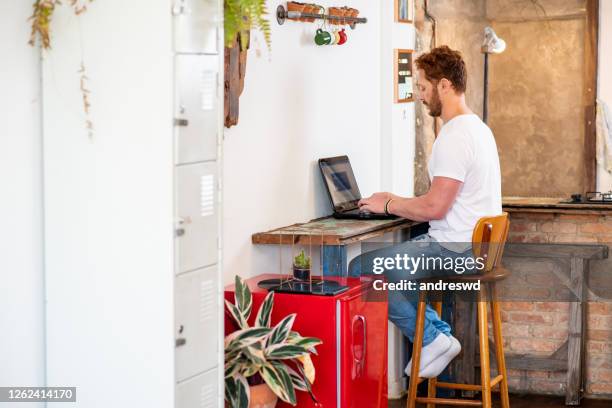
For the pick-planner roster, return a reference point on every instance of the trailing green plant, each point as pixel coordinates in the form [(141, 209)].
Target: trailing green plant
[(41, 18), (241, 16), (43, 14), (276, 354), (302, 261)]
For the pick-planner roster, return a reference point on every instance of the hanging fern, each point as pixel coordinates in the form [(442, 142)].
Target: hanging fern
[(241, 16)]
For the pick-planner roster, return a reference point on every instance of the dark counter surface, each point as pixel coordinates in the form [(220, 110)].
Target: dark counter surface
[(553, 205)]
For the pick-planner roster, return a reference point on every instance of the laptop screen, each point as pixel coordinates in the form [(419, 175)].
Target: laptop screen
[(340, 181)]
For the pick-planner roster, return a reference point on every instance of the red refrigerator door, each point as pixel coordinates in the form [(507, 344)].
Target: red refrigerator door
[(363, 357)]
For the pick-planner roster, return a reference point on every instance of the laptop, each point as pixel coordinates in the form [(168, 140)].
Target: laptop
[(343, 191)]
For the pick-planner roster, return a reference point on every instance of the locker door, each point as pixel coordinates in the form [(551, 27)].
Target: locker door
[(196, 232), (196, 25), (196, 108), (196, 322), (198, 392)]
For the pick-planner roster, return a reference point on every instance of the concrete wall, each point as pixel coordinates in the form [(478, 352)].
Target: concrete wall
[(21, 246), (460, 25), (604, 79), (536, 92), (536, 164)]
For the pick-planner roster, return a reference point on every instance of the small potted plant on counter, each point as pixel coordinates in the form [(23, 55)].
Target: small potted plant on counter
[(265, 362), (301, 267)]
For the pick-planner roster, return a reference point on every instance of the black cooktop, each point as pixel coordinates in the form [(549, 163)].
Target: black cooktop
[(591, 197)]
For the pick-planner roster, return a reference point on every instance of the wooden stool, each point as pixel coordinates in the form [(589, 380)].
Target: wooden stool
[(488, 242)]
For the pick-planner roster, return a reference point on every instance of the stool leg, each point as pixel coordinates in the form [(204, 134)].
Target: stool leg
[(499, 348), (416, 351), (431, 386), (483, 337)]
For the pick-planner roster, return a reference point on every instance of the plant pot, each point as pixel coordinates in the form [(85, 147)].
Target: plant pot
[(346, 12), (310, 9), (295, 6), (335, 12), (262, 396), (302, 274)]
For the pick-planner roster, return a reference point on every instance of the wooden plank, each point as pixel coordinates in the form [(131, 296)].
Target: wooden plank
[(496, 380), (583, 251), (561, 353), (416, 350), (447, 401), (590, 93), (334, 260), (453, 386), (483, 339), (575, 357), (500, 358), (530, 363), (575, 210), (468, 362), (513, 203), (330, 231)]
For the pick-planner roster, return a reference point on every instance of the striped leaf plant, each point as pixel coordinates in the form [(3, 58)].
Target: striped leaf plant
[(279, 355)]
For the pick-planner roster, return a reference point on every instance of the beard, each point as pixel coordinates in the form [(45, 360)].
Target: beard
[(434, 105)]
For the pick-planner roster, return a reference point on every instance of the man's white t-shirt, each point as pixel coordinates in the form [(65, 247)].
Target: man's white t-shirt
[(465, 150)]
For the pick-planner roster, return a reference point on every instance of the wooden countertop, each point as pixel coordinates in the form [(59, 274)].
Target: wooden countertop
[(553, 205), (330, 231)]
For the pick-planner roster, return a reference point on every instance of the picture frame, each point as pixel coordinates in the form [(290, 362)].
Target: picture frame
[(403, 72), (404, 11)]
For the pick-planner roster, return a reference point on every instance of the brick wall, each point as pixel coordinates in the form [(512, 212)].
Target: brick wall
[(539, 328)]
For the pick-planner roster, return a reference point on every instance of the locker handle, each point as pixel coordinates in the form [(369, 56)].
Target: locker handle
[(180, 342), (181, 122)]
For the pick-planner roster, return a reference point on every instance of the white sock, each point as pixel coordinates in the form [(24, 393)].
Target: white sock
[(436, 367), (431, 352)]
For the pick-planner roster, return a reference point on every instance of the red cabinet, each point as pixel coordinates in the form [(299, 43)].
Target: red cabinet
[(351, 365)]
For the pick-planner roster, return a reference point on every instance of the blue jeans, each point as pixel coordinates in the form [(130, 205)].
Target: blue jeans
[(402, 304)]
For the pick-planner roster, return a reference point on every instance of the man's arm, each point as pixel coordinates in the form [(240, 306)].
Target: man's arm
[(431, 206)]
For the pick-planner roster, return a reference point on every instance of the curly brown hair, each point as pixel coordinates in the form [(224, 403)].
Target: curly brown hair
[(443, 62)]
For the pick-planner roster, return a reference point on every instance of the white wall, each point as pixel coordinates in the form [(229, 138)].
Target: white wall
[(397, 119), (21, 291), (303, 103), (397, 156), (109, 205), (604, 80)]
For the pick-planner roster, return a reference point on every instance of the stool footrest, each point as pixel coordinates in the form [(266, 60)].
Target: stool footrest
[(496, 380), (455, 386), (447, 401)]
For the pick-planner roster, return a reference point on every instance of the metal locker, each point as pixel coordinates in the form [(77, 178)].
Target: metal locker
[(196, 25), (196, 110), (196, 322), (196, 218), (198, 392)]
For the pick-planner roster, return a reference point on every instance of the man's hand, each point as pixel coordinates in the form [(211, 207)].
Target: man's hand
[(375, 203)]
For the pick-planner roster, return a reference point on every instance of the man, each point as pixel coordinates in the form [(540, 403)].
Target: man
[(465, 186)]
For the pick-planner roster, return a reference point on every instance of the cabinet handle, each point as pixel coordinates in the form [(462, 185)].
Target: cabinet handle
[(181, 122), (180, 342), (180, 232)]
